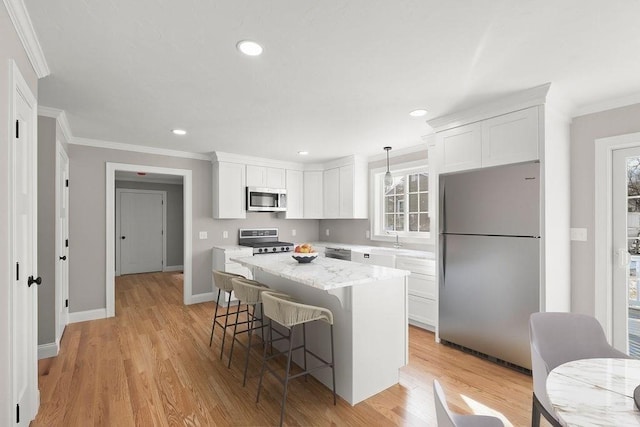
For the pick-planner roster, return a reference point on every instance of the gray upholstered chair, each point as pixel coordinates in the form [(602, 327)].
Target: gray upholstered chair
[(558, 338), (446, 418)]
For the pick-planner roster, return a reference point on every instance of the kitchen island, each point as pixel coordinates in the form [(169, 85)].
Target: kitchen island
[(369, 305)]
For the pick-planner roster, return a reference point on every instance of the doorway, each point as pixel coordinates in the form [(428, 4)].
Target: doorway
[(141, 223), (626, 241), (62, 241), (110, 261)]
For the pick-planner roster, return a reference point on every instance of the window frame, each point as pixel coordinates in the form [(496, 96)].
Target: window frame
[(376, 198)]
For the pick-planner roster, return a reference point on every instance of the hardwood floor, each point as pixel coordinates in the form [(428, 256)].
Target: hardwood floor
[(152, 365)]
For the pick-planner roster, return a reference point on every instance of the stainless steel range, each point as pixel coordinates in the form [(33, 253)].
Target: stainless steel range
[(263, 240)]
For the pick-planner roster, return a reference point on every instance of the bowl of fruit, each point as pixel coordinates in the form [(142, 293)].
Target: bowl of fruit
[(304, 253)]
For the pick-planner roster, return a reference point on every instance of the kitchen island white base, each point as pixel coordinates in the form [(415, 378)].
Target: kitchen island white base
[(370, 332)]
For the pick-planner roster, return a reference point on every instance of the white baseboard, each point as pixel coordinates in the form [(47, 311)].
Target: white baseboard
[(206, 297), (48, 350), (83, 316), (173, 268)]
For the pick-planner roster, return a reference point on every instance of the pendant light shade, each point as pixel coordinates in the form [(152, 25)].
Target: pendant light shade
[(388, 179)]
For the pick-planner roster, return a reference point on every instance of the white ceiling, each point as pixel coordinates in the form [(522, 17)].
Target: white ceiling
[(336, 77)]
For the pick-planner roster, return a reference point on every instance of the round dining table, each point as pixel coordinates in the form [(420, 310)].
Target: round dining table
[(595, 392)]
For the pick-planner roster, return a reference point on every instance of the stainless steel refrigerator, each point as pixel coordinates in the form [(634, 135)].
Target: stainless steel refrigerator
[(489, 259)]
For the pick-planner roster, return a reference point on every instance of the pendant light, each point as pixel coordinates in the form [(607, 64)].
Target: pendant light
[(388, 179)]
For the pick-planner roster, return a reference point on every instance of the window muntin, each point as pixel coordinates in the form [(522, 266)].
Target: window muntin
[(405, 206)]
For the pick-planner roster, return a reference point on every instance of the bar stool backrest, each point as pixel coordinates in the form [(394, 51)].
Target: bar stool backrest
[(222, 280), (248, 291), (288, 312)]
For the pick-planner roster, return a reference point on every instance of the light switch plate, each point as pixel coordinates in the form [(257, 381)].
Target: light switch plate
[(293, 232), (203, 235), (326, 232), (367, 234), (579, 234), (225, 234)]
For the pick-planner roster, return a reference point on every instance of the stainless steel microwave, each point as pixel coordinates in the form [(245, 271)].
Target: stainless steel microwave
[(266, 199)]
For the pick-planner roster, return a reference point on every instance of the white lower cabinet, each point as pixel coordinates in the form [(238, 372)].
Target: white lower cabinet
[(221, 261), (423, 304)]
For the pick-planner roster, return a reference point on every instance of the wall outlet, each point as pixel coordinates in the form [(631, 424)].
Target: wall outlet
[(225, 234), (579, 234), (293, 232), (367, 234), (326, 232), (203, 235)]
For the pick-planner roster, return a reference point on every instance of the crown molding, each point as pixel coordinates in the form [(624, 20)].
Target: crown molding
[(517, 101), (110, 145), (220, 156), (61, 118), (608, 104), (24, 27), (399, 152)]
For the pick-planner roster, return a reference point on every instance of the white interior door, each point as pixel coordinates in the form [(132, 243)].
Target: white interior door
[(62, 241), (24, 294), (141, 231), (626, 244)]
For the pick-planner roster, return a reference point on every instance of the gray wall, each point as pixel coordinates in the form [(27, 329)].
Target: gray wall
[(10, 48), (584, 131), (354, 230), (175, 220), (47, 229), (87, 221)]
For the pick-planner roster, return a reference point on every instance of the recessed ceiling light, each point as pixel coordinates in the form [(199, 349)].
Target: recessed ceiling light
[(303, 153), (179, 131), (249, 47), (418, 113)]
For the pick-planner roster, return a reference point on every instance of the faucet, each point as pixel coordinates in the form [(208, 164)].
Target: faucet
[(397, 244)]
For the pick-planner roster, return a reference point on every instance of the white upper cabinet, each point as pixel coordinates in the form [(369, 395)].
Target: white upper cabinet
[(332, 193), (460, 148), (262, 176), (295, 194), (506, 139), (510, 138), (345, 189), (312, 202), (229, 190)]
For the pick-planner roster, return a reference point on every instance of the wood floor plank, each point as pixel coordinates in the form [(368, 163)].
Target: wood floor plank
[(151, 365)]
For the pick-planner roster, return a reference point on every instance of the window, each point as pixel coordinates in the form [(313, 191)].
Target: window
[(403, 208)]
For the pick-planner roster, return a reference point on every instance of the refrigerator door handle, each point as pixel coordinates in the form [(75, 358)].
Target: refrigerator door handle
[(443, 258)]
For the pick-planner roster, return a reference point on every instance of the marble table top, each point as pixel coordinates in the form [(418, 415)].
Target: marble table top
[(322, 273), (595, 392)]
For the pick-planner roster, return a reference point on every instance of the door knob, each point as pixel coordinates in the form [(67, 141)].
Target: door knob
[(123, 237), (31, 281), (63, 258)]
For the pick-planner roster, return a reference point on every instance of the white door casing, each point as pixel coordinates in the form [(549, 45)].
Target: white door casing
[(140, 231), (23, 228), (62, 239), (605, 252), (110, 270)]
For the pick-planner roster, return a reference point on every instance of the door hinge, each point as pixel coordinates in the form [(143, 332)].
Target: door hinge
[(66, 303), (66, 183), (66, 243), (17, 271), (17, 413), (17, 129)]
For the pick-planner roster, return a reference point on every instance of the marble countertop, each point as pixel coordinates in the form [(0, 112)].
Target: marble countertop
[(233, 248), (322, 273), (595, 392), (410, 253)]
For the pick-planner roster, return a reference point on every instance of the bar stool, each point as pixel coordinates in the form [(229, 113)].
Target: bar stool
[(222, 281), (249, 293), (289, 313)]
